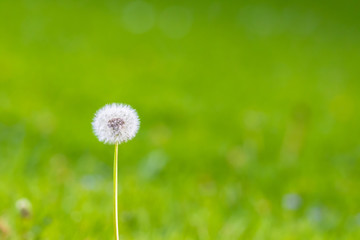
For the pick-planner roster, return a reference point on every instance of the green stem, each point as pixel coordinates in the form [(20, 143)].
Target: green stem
[(116, 218)]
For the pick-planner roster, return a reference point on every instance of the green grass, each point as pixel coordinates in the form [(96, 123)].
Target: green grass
[(250, 103)]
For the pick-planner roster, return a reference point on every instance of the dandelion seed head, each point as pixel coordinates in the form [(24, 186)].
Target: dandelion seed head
[(24, 207), (115, 123)]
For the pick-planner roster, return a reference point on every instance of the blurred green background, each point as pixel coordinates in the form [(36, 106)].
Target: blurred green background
[(249, 119)]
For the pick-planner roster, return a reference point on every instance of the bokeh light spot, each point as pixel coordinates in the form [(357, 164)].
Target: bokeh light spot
[(175, 22), (138, 17)]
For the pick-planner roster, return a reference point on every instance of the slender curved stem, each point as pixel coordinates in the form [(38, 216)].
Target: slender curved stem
[(116, 218)]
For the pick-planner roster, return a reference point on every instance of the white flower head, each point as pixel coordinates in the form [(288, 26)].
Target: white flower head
[(116, 123), (24, 207)]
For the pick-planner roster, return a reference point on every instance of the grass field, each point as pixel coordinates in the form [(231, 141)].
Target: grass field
[(249, 119)]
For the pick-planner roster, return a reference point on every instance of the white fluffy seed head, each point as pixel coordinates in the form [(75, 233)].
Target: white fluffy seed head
[(24, 207), (116, 123)]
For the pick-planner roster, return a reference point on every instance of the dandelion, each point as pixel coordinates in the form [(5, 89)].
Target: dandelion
[(115, 124), (24, 207)]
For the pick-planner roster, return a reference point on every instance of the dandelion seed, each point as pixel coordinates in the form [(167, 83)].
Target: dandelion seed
[(115, 124)]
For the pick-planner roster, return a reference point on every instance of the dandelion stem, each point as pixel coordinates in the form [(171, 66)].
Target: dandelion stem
[(116, 218)]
